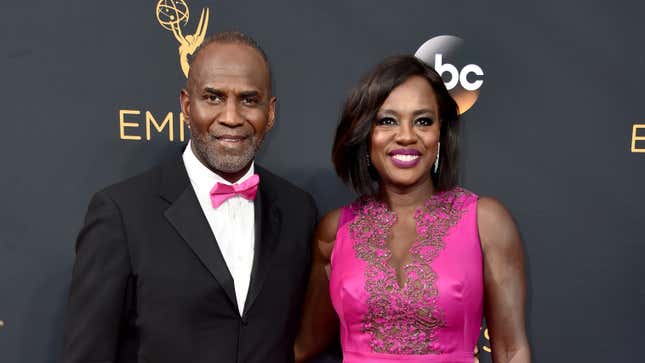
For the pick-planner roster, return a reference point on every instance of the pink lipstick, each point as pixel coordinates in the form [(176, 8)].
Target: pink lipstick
[(405, 158)]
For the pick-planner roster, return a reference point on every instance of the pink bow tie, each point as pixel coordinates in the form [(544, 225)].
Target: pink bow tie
[(247, 190)]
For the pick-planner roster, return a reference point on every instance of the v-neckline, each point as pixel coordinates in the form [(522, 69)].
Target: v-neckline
[(388, 237)]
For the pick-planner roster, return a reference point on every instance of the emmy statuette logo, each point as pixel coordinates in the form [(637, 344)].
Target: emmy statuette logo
[(145, 125), (173, 15)]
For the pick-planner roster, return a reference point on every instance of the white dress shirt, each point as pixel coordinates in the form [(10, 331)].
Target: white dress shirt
[(232, 223)]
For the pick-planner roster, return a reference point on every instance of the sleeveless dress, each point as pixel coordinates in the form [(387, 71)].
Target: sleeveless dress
[(436, 315)]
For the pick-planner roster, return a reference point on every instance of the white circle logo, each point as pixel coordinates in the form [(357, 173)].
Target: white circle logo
[(463, 84)]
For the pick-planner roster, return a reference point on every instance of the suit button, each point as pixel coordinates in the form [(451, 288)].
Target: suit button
[(245, 322)]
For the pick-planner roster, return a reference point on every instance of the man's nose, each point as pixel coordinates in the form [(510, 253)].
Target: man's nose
[(231, 116)]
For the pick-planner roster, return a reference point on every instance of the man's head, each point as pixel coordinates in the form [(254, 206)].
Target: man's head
[(228, 103)]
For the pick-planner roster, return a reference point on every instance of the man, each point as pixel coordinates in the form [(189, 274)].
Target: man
[(178, 265)]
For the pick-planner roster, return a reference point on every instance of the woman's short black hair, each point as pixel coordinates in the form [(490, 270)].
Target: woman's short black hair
[(352, 142)]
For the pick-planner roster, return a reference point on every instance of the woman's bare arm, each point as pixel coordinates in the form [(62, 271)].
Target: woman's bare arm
[(504, 283), (319, 324)]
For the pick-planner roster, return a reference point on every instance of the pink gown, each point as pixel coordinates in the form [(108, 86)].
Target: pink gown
[(436, 315)]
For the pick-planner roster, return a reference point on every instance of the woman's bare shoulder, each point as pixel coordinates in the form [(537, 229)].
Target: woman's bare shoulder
[(326, 232)]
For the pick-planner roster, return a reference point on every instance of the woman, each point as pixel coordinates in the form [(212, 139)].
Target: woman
[(407, 270)]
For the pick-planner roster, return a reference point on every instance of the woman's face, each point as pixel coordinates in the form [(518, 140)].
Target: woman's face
[(405, 134)]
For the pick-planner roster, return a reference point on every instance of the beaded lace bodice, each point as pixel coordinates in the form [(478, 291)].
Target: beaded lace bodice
[(380, 318)]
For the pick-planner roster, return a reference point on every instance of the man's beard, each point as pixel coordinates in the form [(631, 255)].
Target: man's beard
[(224, 161)]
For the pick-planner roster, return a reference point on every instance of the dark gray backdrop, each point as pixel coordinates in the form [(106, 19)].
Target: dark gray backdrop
[(550, 136)]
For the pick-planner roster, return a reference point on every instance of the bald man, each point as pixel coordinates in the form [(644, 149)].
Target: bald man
[(203, 258)]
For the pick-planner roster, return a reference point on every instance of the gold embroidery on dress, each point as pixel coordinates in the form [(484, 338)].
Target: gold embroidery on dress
[(403, 320)]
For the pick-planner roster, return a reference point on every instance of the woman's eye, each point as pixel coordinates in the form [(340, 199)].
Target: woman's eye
[(386, 121), (424, 121)]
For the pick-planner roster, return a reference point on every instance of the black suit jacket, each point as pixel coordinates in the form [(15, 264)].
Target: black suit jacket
[(150, 284)]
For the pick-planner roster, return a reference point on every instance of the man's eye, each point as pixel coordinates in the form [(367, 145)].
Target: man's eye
[(250, 101), (386, 121), (424, 121), (213, 98)]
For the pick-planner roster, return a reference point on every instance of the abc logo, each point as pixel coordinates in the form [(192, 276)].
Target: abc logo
[(456, 76), (463, 83)]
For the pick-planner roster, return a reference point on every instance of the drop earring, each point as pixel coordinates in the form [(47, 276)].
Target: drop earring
[(436, 162)]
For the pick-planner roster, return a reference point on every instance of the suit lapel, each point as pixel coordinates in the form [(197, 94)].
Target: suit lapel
[(267, 230), (186, 216)]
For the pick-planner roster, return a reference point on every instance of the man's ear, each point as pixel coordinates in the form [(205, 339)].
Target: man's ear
[(184, 101), (272, 111)]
